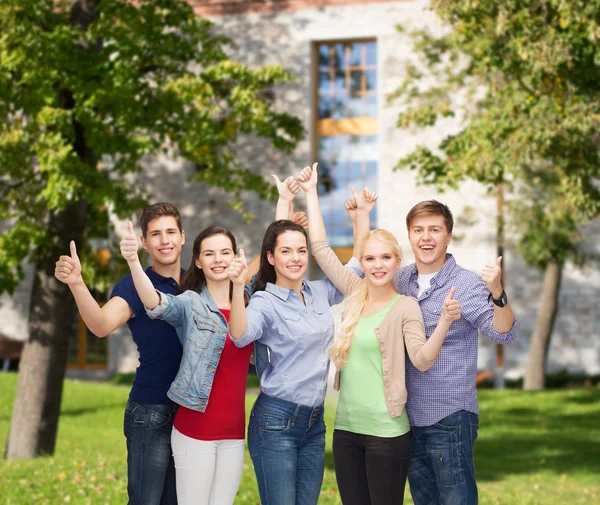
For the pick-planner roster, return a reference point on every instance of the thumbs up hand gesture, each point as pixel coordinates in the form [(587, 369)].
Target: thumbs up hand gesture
[(68, 268), (129, 245), (238, 269), (287, 188), (492, 276), (451, 310)]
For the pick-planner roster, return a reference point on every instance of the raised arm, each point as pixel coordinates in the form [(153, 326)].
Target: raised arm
[(504, 317), (100, 320), (142, 282), (287, 190), (421, 352), (344, 280), (238, 322)]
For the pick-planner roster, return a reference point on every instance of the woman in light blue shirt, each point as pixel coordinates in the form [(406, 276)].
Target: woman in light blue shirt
[(288, 318)]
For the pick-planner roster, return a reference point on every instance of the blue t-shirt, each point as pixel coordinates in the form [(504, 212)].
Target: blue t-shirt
[(157, 342)]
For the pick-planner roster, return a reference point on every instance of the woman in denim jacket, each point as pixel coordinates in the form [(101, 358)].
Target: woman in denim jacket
[(209, 428)]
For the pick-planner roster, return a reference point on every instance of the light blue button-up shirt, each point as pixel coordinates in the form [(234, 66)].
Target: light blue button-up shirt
[(298, 337)]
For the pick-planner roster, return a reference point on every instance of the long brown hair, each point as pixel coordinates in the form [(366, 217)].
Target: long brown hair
[(266, 271)]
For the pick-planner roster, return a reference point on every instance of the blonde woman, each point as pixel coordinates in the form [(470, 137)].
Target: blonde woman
[(371, 446)]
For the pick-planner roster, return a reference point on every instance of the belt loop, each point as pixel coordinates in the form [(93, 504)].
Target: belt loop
[(298, 407)]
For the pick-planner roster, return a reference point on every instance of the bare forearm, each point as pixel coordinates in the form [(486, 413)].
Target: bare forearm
[(504, 319), (433, 346), (238, 322), (363, 225), (89, 310), (144, 286), (316, 226), (283, 209)]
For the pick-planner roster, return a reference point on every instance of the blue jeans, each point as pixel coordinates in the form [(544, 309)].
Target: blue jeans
[(442, 469), (287, 446), (150, 466)]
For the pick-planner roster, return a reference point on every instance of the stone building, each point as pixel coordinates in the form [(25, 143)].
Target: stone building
[(347, 56)]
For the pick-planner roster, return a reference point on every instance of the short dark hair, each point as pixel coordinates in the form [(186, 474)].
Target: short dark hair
[(266, 271), (159, 210), (431, 208)]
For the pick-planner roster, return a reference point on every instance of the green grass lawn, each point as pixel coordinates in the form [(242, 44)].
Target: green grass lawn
[(533, 449)]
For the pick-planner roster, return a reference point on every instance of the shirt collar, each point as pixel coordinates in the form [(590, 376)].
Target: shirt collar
[(443, 274), (156, 277), (283, 293)]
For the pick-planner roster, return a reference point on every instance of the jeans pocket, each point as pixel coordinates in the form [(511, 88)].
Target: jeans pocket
[(158, 419), (444, 454), (274, 424)]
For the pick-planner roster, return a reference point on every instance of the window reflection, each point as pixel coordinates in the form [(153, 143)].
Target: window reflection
[(347, 152)]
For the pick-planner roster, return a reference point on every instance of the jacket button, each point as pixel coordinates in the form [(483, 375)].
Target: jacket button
[(393, 413), (389, 398), (385, 370), (387, 384), (384, 354)]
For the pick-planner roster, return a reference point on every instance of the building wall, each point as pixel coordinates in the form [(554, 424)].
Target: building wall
[(286, 36)]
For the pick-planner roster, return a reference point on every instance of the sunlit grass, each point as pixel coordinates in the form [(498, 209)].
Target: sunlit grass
[(533, 449)]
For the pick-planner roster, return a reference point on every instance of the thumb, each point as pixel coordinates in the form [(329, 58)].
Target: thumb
[(73, 250), (451, 293), (499, 261), (130, 228), (276, 179), (242, 256)]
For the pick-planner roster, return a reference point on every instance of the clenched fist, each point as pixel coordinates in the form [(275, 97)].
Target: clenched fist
[(492, 276), (451, 310), (129, 245), (68, 268), (238, 269)]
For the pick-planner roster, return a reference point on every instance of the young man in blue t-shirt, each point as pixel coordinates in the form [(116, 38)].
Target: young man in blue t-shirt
[(149, 412)]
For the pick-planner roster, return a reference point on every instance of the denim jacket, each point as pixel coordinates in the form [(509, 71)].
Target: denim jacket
[(202, 330)]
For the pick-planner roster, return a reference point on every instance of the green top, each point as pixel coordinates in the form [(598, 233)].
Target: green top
[(361, 407)]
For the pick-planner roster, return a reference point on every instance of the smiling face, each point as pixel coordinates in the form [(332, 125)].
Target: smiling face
[(216, 253), (163, 240), (379, 263), (289, 258), (429, 239)]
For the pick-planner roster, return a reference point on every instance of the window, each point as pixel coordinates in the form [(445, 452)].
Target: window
[(346, 140)]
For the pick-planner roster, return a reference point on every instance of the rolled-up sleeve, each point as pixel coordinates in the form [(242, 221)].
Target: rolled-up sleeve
[(259, 316), (480, 313), (172, 309)]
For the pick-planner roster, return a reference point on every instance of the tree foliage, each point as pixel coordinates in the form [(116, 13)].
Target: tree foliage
[(524, 78), (86, 81)]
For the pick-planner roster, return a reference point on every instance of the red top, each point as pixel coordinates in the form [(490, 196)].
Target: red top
[(225, 415)]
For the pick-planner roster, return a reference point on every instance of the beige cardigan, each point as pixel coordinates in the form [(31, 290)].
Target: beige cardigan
[(402, 328)]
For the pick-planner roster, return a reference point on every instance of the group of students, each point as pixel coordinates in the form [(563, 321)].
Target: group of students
[(405, 354)]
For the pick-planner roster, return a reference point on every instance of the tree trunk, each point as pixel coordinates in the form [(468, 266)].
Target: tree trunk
[(540, 341), (34, 423), (39, 390)]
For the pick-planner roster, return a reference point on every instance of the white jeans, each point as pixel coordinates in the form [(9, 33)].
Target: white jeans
[(208, 472)]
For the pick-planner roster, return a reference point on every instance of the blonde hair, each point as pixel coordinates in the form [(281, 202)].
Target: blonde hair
[(355, 303)]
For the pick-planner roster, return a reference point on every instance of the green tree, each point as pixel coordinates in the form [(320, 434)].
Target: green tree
[(524, 77), (82, 79)]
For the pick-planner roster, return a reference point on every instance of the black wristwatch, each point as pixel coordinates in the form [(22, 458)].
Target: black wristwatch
[(500, 302)]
